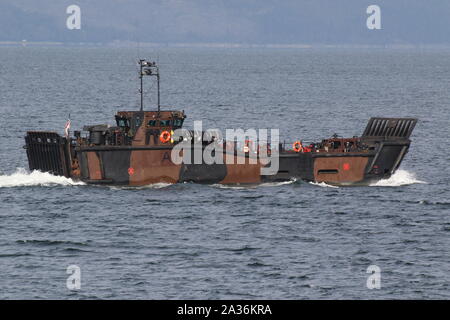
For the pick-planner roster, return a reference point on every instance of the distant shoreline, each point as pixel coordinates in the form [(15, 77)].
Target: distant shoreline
[(131, 44)]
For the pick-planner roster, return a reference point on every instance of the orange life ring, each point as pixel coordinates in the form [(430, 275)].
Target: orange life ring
[(165, 136), (297, 146)]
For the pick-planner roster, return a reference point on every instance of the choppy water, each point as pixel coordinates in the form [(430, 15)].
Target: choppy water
[(291, 240)]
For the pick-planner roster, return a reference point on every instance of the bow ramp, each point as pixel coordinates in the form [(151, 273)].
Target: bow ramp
[(390, 128)]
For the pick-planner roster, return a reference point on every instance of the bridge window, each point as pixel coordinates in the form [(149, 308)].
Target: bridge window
[(152, 123), (122, 122), (164, 123), (178, 123)]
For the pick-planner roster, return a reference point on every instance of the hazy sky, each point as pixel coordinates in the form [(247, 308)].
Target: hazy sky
[(232, 21)]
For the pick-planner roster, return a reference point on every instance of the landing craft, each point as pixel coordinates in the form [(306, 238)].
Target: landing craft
[(137, 151)]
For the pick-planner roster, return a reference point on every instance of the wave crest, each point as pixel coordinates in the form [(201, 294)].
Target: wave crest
[(398, 179), (157, 185), (23, 178), (323, 185), (253, 185)]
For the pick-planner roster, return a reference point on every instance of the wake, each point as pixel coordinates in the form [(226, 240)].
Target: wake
[(158, 185), (23, 178), (253, 185), (323, 185), (398, 179)]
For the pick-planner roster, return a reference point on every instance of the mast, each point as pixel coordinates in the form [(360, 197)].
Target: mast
[(148, 68), (141, 76), (159, 96)]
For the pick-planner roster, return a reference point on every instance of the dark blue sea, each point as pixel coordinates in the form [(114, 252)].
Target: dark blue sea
[(292, 240)]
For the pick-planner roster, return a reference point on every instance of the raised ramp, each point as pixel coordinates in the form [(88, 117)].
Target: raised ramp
[(47, 152), (389, 128)]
